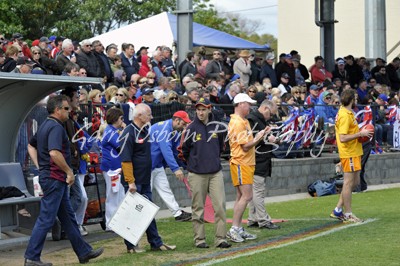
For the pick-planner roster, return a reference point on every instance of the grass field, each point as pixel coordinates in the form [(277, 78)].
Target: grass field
[(309, 237)]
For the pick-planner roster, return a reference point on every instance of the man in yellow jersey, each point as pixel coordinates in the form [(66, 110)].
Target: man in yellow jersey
[(242, 163), (350, 152)]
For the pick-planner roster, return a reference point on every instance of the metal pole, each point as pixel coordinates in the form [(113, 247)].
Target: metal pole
[(184, 14), (375, 29), (328, 20)]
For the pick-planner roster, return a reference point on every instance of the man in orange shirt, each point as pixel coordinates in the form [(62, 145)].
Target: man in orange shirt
[(350, 152), (242, 163)]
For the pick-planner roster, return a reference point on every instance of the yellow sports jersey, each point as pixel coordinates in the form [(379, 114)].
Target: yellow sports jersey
[(346, 124), (239, 133)]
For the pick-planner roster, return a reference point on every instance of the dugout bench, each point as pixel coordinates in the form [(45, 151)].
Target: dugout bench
[(11, 175)]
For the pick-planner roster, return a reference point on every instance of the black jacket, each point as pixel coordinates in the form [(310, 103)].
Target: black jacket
[(263, 150), (202, 147), (89, 62), (8, 65)]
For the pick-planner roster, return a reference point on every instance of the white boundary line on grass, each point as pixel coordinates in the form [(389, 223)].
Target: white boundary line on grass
[(212, 262)]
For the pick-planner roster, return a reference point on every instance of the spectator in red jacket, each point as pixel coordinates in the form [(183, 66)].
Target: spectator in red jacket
[(318, 71)]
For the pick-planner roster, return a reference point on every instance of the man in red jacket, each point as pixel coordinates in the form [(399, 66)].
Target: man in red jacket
[(318, 71)]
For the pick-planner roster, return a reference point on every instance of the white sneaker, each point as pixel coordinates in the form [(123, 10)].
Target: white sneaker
[(246, 235), (83, 231), (234, 236)]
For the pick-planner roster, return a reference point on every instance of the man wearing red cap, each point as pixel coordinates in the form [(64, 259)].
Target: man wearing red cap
[(165, 137)]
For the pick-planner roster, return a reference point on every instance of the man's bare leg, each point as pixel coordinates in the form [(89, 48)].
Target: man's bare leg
[(243, 197)]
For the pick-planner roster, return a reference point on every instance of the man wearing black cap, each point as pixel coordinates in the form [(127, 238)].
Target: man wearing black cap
[(203, 157), (284, 86), (287, 67), (147, 95), (142, 51), (18, 39)]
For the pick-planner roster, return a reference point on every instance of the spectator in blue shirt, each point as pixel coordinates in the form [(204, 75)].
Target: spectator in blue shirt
[(165, 138), (111, 161)]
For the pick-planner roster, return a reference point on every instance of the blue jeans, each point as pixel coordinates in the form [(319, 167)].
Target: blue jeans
[(55, 202), (75, 195), (152, 233)]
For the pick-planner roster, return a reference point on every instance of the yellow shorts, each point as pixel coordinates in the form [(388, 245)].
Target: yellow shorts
[(242, 174), (352, 164)]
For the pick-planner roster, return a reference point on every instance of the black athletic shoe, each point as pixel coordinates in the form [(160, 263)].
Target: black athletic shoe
[(184, 217), (224, 245)]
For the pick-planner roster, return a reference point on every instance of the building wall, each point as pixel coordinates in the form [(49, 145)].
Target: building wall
[(297, 29)]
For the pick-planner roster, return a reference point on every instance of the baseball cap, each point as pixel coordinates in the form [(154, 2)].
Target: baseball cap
[(288, 56), (326, 94), (17, 36), (243, 97), (235, 77), (182, 115), (147, 91), (35, 42), (383, 97), (141, 48), (285, 75), (24, 61), (270, 57), (52, 38), (204, 102), (349, 57), (340, 62), (44, 39), (314, 87)]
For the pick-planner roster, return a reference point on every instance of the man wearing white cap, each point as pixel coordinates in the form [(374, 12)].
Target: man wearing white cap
[(242, 163)]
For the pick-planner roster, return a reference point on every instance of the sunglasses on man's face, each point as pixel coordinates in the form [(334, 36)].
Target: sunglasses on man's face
[(173, 98)]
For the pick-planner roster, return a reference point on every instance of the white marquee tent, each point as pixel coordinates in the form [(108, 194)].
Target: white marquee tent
[(161, 29)]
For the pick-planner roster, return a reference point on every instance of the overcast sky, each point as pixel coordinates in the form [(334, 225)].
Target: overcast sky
[(263, 10)]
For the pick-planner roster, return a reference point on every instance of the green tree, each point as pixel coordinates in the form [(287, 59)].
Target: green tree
[(234, 24), (76, 19), (206, 14)]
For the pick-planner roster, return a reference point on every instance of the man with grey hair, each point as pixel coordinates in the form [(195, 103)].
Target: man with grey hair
[(136, 166), (167, 62), (156, 62), (227, 99), (259, 120), (66, 56), (87, 59), (267, 70), (163, 84)]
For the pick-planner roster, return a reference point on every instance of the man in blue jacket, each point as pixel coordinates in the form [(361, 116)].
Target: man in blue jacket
[(165, 138), (202, 145)]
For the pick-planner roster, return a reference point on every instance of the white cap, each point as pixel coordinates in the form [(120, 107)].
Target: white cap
[(243, 97)]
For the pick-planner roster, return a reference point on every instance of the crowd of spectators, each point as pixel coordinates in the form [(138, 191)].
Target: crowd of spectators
[(130, 77)]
